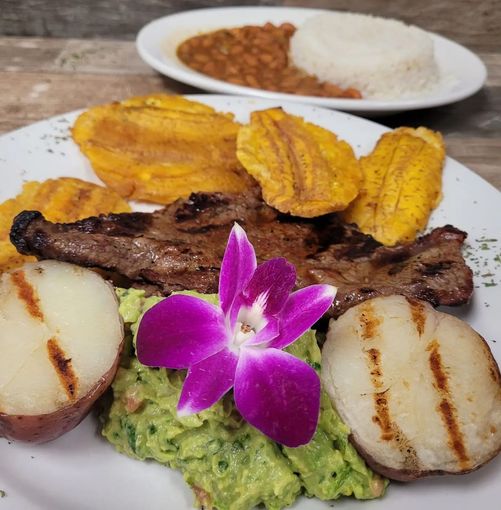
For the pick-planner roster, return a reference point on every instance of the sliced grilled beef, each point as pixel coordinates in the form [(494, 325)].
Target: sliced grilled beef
[(181, 247)]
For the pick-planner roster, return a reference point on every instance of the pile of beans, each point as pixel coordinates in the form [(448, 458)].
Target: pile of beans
[(255, 56)]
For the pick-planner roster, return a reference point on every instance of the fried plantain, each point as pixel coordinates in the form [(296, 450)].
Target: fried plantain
[(303, 169), (401, 185), (63, 200), (159, 148)]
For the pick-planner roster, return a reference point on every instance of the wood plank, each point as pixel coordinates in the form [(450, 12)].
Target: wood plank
[(37, 96), (493, 64), (478, 115), (474, 23), (479, 154), (35, 54)]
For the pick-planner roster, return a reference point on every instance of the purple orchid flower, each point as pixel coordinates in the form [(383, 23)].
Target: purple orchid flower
[(239, 344)]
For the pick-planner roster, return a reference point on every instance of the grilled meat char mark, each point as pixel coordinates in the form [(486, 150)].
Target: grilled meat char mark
[(181, 247)]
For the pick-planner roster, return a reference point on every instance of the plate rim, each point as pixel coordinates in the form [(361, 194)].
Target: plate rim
[(185, 75)]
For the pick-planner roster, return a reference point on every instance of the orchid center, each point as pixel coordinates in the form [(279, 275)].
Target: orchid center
[(250, 321), (246, 328), (243, 332)]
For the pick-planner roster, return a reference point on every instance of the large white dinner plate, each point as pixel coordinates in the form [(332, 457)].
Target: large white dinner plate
[(82, 471), (464, 73)]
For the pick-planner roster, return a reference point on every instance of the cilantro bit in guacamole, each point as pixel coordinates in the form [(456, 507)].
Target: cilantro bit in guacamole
[(229, 464)]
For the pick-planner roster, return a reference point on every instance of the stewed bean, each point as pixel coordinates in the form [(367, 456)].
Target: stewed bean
[(255, 56)]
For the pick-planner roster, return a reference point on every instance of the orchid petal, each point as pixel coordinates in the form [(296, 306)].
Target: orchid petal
[(180, 331), (270, 286), (237, 268), (303, 308), (278, 394), (234, 312), (206, 382)]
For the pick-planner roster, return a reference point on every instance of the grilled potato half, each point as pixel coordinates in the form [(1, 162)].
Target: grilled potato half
[(419, 389), (60, 341)]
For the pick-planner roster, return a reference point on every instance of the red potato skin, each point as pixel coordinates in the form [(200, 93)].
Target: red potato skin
[(409, 475), (46, 427)]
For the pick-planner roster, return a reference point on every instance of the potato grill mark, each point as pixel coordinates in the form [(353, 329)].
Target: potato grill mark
[(417, 314), (63, 368), (446, 407), (374, 357), (369, 321), (27, 294), (382, 417), (390, 431)]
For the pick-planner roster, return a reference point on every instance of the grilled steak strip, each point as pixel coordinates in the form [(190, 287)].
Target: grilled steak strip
[(181, 247)]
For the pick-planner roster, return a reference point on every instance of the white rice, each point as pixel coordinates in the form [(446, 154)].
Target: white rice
[(382, 58)]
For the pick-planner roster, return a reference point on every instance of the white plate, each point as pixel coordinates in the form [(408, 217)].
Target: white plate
[(82, 471), (157, 42)]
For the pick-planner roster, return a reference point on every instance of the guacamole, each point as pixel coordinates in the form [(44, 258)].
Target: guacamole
[(229, 464)]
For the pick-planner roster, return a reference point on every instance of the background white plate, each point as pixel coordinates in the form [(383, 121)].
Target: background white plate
[(157, 43), (81, 471)]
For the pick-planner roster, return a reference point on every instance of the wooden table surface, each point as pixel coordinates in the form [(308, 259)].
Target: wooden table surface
[(44, 76)]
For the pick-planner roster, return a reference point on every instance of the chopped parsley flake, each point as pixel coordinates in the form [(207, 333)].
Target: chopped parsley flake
[(484, 259)]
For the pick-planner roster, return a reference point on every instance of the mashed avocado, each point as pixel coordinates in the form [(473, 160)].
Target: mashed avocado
[(229, 464)]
